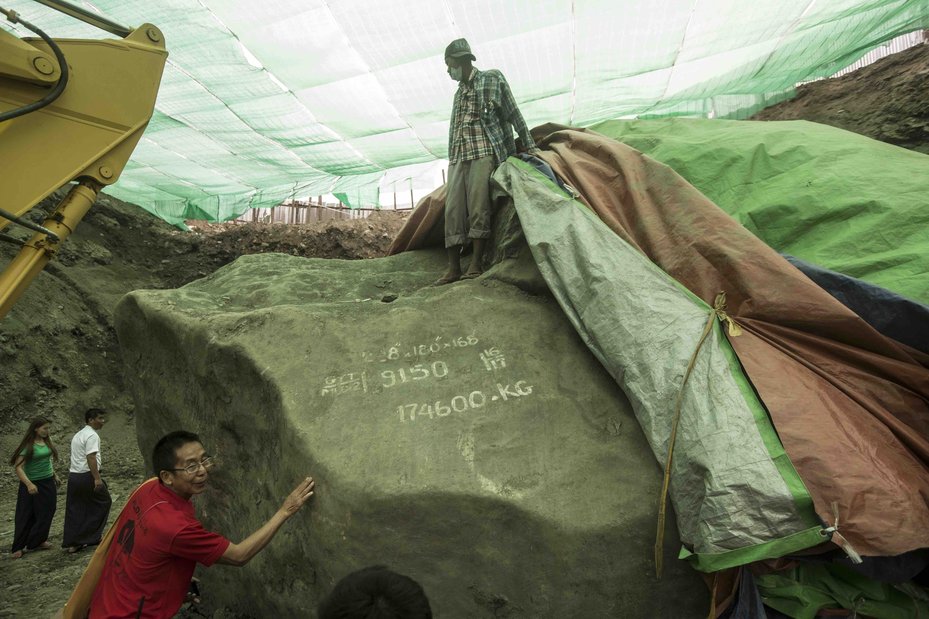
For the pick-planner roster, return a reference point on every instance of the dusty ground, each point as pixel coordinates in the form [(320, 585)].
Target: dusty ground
[(59, 355)]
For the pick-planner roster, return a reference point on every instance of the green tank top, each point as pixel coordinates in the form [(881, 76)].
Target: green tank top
[(40, 467)]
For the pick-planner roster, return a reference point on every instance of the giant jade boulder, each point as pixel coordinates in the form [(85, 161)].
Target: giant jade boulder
[(462, 435)]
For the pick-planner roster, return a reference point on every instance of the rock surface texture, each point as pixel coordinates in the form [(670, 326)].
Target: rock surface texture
[(462, 435)]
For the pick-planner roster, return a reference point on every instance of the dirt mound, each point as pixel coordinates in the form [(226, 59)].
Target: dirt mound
[(63, 320), (885, 101), (336, 238)]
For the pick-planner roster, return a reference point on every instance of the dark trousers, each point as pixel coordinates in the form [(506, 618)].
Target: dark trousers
[(86, 511), (34, 513)]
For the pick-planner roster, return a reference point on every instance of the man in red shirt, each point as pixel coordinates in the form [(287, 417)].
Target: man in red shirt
[(159, 541)]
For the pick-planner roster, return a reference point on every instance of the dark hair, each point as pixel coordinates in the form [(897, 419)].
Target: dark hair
[(28, 442), (93, 413), (376, 593), (164, 456)]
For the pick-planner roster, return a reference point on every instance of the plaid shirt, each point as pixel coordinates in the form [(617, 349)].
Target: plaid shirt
[(484, 116)]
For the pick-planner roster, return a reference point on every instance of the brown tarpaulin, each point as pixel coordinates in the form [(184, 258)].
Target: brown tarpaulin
[(850, 405), (421, 224)]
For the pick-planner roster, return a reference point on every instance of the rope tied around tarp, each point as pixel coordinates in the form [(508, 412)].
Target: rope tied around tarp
[(718, 312), (838, 539)]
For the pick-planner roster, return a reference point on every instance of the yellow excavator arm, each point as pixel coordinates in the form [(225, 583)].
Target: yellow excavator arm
[(71, 110)]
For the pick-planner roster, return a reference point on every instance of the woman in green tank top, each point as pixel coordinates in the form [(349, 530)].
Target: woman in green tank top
[(38, 488)]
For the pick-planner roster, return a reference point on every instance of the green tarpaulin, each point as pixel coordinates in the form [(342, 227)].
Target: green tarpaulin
[(831, 197), (644, 326)]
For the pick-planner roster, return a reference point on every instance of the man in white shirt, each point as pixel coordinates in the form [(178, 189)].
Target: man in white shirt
[(88, 503)]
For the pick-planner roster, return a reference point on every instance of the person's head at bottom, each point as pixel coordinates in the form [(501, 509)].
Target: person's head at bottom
[(376, 593)]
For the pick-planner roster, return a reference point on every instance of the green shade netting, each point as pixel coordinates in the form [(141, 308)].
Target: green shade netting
[(262, 102), (828, 196)]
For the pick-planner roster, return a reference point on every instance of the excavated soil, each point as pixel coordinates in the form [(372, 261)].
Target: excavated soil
[(58, 349), (886, 101)]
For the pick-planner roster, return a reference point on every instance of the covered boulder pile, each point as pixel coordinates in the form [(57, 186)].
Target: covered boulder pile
[(790, 412), (462, 435), (474, 437)]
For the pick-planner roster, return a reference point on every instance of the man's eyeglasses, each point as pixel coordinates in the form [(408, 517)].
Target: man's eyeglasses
[(191, 469)]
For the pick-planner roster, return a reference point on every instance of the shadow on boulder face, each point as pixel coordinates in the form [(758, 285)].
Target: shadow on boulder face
[(463, 435)]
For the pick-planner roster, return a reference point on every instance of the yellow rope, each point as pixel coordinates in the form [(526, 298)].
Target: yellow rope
[(719, 312)]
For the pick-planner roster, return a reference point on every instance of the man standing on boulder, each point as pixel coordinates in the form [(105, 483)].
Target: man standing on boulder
[(88, 501), (484, 115), (158, 540)]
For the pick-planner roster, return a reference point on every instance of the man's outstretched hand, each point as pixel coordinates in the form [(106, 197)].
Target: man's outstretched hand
[(298, 497)]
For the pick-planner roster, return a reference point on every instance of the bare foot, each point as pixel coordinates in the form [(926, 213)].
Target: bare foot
[(42, 546), (17, 555), (448, 278), (471, 274)]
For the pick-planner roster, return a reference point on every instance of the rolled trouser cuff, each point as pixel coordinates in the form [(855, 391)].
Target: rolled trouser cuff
[(455, 239)]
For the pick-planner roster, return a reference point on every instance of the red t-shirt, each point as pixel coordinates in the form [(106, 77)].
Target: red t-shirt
[(157, 544)]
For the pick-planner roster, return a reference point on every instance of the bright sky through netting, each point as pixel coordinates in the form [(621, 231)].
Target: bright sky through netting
[(278, 99)]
